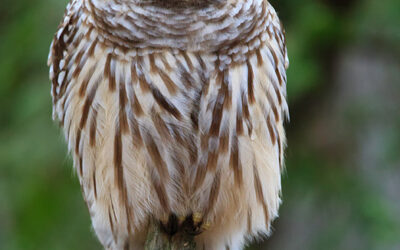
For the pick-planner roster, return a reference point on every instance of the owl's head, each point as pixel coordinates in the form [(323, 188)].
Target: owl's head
[(180, 3), (170, 4)]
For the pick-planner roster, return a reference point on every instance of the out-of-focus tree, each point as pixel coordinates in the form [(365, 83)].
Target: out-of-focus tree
[(340, 188)]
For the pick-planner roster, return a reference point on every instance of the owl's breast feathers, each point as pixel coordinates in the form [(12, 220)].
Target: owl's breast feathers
[(171, 110)]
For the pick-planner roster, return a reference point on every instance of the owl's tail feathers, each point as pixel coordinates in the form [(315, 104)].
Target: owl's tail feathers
[(175, 233)]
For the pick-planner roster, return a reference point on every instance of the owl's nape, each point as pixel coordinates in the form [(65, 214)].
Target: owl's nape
[(174, 115)]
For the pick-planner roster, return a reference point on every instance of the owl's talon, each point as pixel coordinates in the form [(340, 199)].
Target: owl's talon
[(197, 218), (205, 226), (194, 224)]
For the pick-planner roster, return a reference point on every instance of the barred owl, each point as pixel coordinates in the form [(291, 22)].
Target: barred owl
[(173, 110)]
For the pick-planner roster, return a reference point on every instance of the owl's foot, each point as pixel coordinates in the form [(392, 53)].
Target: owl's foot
[(194, 224)]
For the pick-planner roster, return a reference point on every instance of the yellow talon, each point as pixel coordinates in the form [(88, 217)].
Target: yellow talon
[(205, 226), (197, 218)]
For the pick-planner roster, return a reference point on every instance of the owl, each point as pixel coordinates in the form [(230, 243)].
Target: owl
[(173, 110)]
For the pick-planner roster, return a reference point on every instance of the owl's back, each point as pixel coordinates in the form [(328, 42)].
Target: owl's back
[(191, 128)]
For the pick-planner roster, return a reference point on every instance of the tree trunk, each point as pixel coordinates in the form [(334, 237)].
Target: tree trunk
[(158, 240)]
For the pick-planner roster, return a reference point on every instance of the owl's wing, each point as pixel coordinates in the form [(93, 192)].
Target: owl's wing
[(242, 110), (246, 93), (130, 118), (60, 59)]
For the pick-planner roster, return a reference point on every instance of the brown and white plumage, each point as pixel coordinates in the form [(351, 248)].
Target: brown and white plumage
[(173, 109)]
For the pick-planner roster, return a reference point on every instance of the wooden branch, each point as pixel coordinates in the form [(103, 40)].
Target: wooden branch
[(158, 240)]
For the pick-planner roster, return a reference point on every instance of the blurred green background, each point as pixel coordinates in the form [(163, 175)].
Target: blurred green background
[(341, 186)]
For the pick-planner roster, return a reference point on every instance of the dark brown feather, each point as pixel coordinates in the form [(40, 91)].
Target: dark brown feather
[(109, 72), (157, 159), (88, 103), (123, 123), (93, 128), (250, 83), (172, 89), (214, 192), (94, 184), (135, 131), (118, 168), (164, 103), (236, 163)]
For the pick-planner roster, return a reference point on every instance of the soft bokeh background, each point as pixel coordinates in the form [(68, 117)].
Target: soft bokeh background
[(341, 187)]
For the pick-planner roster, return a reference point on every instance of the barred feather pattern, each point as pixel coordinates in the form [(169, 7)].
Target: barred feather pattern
[(173, 109)]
